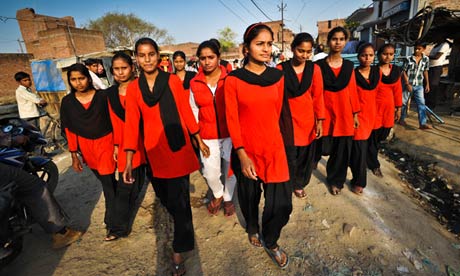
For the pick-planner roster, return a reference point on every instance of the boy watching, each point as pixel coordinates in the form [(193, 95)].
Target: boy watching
[(93, 64), (415, 73), (27, 100)]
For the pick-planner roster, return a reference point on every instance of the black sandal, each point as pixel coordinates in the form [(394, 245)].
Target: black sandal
[(277, 253), (178, 269), (111, 237)]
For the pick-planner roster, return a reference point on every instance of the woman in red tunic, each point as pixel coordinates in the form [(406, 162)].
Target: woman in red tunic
[(126, 193), (179, 69), (367, 80), (208, 103), (303, 86), (253, 99), (156, 101), (389, 103), (86, 121), (342, 107)]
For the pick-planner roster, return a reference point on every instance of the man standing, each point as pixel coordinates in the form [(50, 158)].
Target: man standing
[(27, 100), (438, 58), (415, 73)]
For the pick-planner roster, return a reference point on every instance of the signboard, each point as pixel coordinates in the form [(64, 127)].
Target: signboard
[(403, 6)]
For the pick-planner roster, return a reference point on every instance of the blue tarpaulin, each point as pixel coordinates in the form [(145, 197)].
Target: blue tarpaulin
[(47, 77)]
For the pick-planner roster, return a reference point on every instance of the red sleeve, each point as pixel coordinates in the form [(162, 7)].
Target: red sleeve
[(71, 140), (317, 94), (183, 105), (229, 67), (231, 112), (132, 117), (397, 93), (353, 90), (116, 124)]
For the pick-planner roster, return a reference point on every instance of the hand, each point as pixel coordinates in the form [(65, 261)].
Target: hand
[(42, 103), (204, 149), (355, 120), (128, 174), (76, 163), (398, 114), (427, 89), (319, 129), (19, 140), (247, 167), (409, 87), (115, 153)]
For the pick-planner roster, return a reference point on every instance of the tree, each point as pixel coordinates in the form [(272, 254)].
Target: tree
[(226, 38), (121, 29)]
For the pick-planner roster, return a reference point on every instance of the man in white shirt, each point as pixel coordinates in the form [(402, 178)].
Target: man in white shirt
[(438, 58), (92, 64), (27, 100)]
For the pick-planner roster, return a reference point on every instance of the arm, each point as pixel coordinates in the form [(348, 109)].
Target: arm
[(131, 137), (193, 105), (397, 97), (117, 125), (29, 96), (427, 81), (354, 98), (72, 141), (405, 79), (318, 101)]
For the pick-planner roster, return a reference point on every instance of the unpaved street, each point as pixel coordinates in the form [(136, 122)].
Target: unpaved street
[(390, 232)]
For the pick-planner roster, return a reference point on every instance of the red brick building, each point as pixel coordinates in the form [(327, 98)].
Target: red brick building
[(10, 64), (48, 37)]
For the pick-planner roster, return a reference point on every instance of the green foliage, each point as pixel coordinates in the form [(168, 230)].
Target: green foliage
[(121, 29), (226, 38)]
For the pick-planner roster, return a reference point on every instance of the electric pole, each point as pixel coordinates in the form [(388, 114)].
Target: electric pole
[(282, 8)]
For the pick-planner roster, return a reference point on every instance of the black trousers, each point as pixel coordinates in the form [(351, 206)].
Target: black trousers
[(125, 202), (300, 162), (377, 136), (358, 163), (32, 192), (339, 151), (174, 194), (109, 184), (277, 208), (431, 99)]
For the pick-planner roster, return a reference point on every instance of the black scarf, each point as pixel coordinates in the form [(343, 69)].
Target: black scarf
[(114, 99), (91, 123), (268, 77), (331, 82), (394, 75), (292, 86), (168, 108), (374, 77), (188, 77)]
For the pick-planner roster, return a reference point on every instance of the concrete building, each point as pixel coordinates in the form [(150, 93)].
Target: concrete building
[(325, 26), (48, 37)]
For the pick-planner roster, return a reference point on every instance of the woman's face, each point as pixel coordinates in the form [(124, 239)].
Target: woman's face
[(366, 57), (78, 81), (260, 48), (337, 42), (387, 56), (179, 63), (303, 52), (122, 71), (147, 58), (208, 60)]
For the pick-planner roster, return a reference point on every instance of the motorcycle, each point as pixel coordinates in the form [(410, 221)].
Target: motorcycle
[(23, 157)]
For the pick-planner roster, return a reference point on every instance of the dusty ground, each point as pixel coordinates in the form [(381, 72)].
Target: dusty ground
[(387, 220)]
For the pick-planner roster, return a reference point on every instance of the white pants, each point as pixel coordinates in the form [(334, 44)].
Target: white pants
[(216, 167)]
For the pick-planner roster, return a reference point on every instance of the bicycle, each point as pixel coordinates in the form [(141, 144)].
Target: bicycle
[(53, 133)]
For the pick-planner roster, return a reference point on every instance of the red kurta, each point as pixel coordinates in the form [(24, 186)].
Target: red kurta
[(340, 107), (164, 162), (118, 138), (367, 114), (307, 108), (96, 153), (253, 114), (389, 96)]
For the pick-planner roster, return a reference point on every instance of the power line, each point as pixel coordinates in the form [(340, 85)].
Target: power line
[(241, 4), (261, 10), (237, 15)]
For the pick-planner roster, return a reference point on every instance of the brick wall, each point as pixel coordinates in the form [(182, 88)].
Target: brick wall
[(450, 4), (10, 64)]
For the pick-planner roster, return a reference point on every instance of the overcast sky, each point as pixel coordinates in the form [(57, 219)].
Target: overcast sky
[(185, 20)]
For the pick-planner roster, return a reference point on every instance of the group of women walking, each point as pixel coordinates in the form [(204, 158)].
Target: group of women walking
[(257, 129)]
